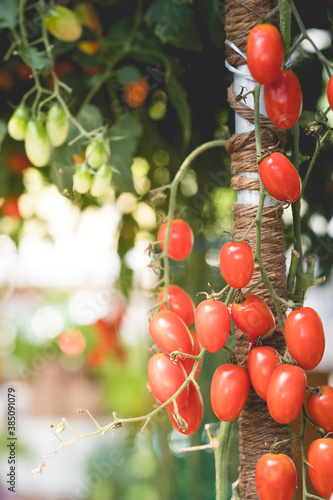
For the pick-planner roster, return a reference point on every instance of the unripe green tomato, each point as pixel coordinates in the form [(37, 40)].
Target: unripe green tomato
[(57, 125), (17, 124), (101, 181), (82, 180), (63, 24), (37, 144), (97, 153)]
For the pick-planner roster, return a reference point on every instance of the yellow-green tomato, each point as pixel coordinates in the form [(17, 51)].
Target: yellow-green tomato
[(57, 125), (63, 24), (101, 181), (37, 144), (17, 124), (97, 153), (82, 180)]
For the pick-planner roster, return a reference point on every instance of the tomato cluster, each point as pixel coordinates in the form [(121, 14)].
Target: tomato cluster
[(281, 382), (283, 386), (169, 329), (39, 136), (282, 90)]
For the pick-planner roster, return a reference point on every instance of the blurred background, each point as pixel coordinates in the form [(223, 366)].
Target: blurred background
[(75, 289)]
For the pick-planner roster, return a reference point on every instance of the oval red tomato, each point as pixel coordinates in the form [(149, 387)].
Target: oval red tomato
[(212, 323), (179, 302), (275, 477), (228, 391), (252, 316), (165, 377), (188, 363), (170, 333), (191, 412), (305, 337), (261, 363), (280, 178), (265, 53), (284, 100), (180, 239), (320, 407), (286, 393), (236, 263), (329, 91), (320, 466)]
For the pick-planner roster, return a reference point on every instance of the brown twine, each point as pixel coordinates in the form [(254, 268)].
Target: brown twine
[(257, 430)]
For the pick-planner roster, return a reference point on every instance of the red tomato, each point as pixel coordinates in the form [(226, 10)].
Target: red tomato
[(136, 93), (275, 477), (17, 161), (329, 91), (283, 100), (280, 178), (228, 391), (10, 207), (91, 70), (63, 68), (188, 363), (320, 460), (212, 324), (165, 377), (180, 239), (170, 333), (320, 407), (191, 412), (261, 363), (6, 80), (178, 302), (252, 316), (24, 71), (305, 337), (236, 263), (286, 393), (265, 53)]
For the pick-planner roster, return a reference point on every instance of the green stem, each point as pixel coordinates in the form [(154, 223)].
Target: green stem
[(172, 202), (222, 460), (292, 273), (325, 62), (257, 255), (285, 24), (319, 144)]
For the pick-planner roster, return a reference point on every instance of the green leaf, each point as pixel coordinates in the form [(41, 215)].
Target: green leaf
[(90, 117), (8, 14), (174, 23), (34, 58), (128, 74), (212, 13), (4, 176), (126, 132), (178, 98), (62, 176), (3, 131)]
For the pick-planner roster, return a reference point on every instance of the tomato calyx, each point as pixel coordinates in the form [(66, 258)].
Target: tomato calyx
[(315, 390), (240, 297), (231, 356)]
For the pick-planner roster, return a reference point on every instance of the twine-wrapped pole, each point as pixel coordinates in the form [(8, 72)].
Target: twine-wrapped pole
[(257, 430)]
